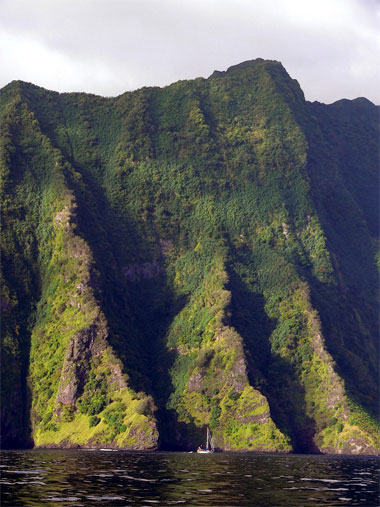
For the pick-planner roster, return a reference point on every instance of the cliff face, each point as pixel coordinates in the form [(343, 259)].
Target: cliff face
[(201, 254)]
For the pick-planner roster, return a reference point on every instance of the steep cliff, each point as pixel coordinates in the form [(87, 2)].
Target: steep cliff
[(201, 254)]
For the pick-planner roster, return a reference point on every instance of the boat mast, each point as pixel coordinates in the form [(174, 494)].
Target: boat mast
[(211, 442)]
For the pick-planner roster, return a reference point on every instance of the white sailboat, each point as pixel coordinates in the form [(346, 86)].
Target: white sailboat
[(209, 444)]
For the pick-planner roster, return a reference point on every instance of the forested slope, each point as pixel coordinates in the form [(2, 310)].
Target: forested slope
[(201, 254)]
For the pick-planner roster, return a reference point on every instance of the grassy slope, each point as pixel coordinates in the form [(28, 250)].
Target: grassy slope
[(205, 217)]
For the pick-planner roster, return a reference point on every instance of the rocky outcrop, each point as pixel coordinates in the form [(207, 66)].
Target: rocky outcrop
[(86, 345)]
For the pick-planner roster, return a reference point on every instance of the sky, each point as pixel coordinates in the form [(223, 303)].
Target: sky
[(107, 47)]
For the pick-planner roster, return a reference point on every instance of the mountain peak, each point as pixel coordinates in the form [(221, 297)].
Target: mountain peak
[(247, 66)]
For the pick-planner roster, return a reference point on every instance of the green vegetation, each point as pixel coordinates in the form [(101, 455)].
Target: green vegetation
[(202, 254)]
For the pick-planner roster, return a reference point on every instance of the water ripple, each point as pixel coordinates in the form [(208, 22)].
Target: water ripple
[(81, 479)]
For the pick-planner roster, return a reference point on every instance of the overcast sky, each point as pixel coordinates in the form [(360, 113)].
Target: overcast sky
[(332, 47)]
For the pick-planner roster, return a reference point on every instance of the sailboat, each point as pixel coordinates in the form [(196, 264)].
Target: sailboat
[(209, 444)]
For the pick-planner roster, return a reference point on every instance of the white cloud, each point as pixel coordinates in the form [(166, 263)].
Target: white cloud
[(110, 46), (51, 68)]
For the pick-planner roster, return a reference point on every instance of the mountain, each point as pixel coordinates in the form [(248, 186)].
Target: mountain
[(199, 254)]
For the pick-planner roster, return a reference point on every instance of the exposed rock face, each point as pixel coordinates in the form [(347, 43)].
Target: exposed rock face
[(145, 271), (85, 344)]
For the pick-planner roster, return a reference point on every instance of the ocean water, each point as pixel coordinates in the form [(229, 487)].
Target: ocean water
[(100, 478)]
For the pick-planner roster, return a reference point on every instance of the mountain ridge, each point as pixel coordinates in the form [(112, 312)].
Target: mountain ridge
[(216, 73)]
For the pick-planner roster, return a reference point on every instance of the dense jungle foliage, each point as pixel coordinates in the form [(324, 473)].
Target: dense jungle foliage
[(198, 255)]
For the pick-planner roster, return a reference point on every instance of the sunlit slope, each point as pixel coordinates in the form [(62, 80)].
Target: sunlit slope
[(201, 254)]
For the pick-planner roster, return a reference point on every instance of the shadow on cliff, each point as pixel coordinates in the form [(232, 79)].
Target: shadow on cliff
[(347, 204), (155, 306), (15, 423), (348, 329), (271, 374), (129, 282), (138, 303)]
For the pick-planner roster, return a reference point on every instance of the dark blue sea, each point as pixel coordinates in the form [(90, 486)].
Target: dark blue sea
[(100, 478)]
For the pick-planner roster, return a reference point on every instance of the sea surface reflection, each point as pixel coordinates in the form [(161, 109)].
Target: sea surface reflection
[(83, 477)]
